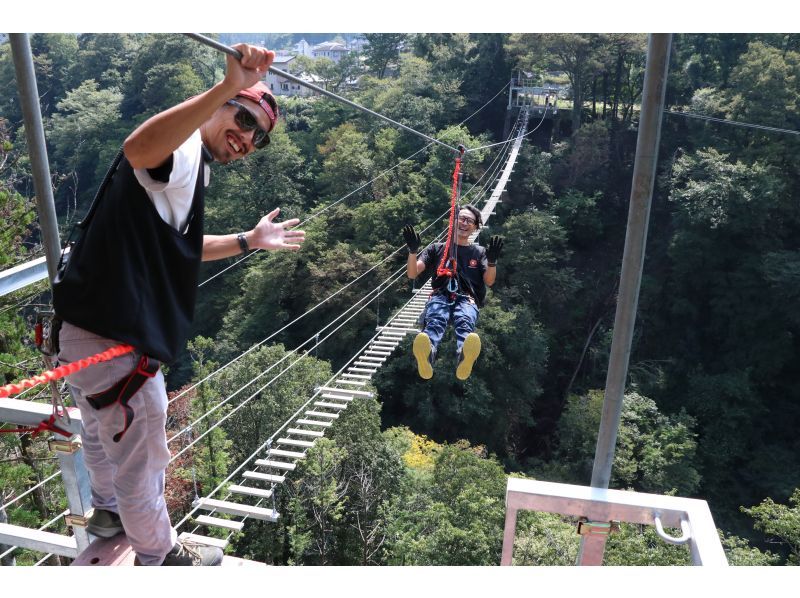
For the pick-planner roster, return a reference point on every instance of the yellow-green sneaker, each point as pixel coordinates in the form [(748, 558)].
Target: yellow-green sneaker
[(469, 353), (422, 351)]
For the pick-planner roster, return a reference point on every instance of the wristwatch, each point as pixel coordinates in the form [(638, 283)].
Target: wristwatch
[(243, 242)]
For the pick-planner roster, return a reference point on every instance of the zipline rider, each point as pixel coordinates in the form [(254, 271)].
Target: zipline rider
[(454, 298), (132, 278)]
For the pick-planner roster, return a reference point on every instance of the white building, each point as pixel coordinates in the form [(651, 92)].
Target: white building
[(280, 86), (302, 48), (333, 50)]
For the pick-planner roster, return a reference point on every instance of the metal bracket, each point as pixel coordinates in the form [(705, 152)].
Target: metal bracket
[(65, 446), (597, 528), (77, 520), (686, 532)]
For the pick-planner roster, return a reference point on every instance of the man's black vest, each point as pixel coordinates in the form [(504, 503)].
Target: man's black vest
[(132, 277)]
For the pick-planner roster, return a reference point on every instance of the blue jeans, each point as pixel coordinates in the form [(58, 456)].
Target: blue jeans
[(439, 312)]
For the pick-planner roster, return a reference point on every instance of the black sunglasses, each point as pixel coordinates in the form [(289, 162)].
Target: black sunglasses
[(247, 122)]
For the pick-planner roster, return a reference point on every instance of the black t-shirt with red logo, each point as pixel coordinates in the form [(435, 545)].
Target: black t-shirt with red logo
[(472, 263)]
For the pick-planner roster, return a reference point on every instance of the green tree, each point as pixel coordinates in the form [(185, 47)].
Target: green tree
[(382, 50), (455, 513), (346, 161), (373, 470), (577, 55), (105, 57), (781, 522), (321, 487), (53, 56), (654, 453), (160, 56), (81, 135)]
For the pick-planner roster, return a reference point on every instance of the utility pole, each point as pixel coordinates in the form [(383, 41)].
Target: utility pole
[(644, 171), (34, 132)]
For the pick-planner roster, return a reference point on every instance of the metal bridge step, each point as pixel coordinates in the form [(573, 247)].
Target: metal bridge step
[(232, 508), (250, 491), (330, 405), (301, 432), (382, 353), (357, 376), (323, 414), (293, 442), (355, 369), (217, 522), (205, 540), (286, 454), (329, 395), (353, 382), (276, 464), (263, 477), (313, 422), (39, 540), (370, 365), (368, 357), (347, 391)]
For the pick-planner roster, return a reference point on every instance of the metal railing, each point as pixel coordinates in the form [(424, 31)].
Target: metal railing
[(74, 476), (602, 507)]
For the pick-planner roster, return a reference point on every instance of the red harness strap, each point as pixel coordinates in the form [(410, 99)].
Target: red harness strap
[(122, 392), (56, 374), (45, 426), (64, 370), (447, 267)]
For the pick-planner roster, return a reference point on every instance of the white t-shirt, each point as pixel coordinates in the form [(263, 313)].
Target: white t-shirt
[(173, 199)]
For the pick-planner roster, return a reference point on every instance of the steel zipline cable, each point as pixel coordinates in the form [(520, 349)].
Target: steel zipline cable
[(732, 122)]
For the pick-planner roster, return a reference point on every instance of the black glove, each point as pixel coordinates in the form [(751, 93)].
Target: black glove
[(412, 238), (494, 249)]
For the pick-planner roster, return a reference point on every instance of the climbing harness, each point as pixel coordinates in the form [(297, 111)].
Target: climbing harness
[(122, 392)]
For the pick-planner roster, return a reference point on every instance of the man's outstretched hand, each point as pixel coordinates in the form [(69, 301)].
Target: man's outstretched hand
[(277, 235), (493, 249), (411, 238)]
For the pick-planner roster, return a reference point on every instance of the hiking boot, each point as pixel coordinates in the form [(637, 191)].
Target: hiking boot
[(186, 553), (469, 353), (424, 354), (104, 524)]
